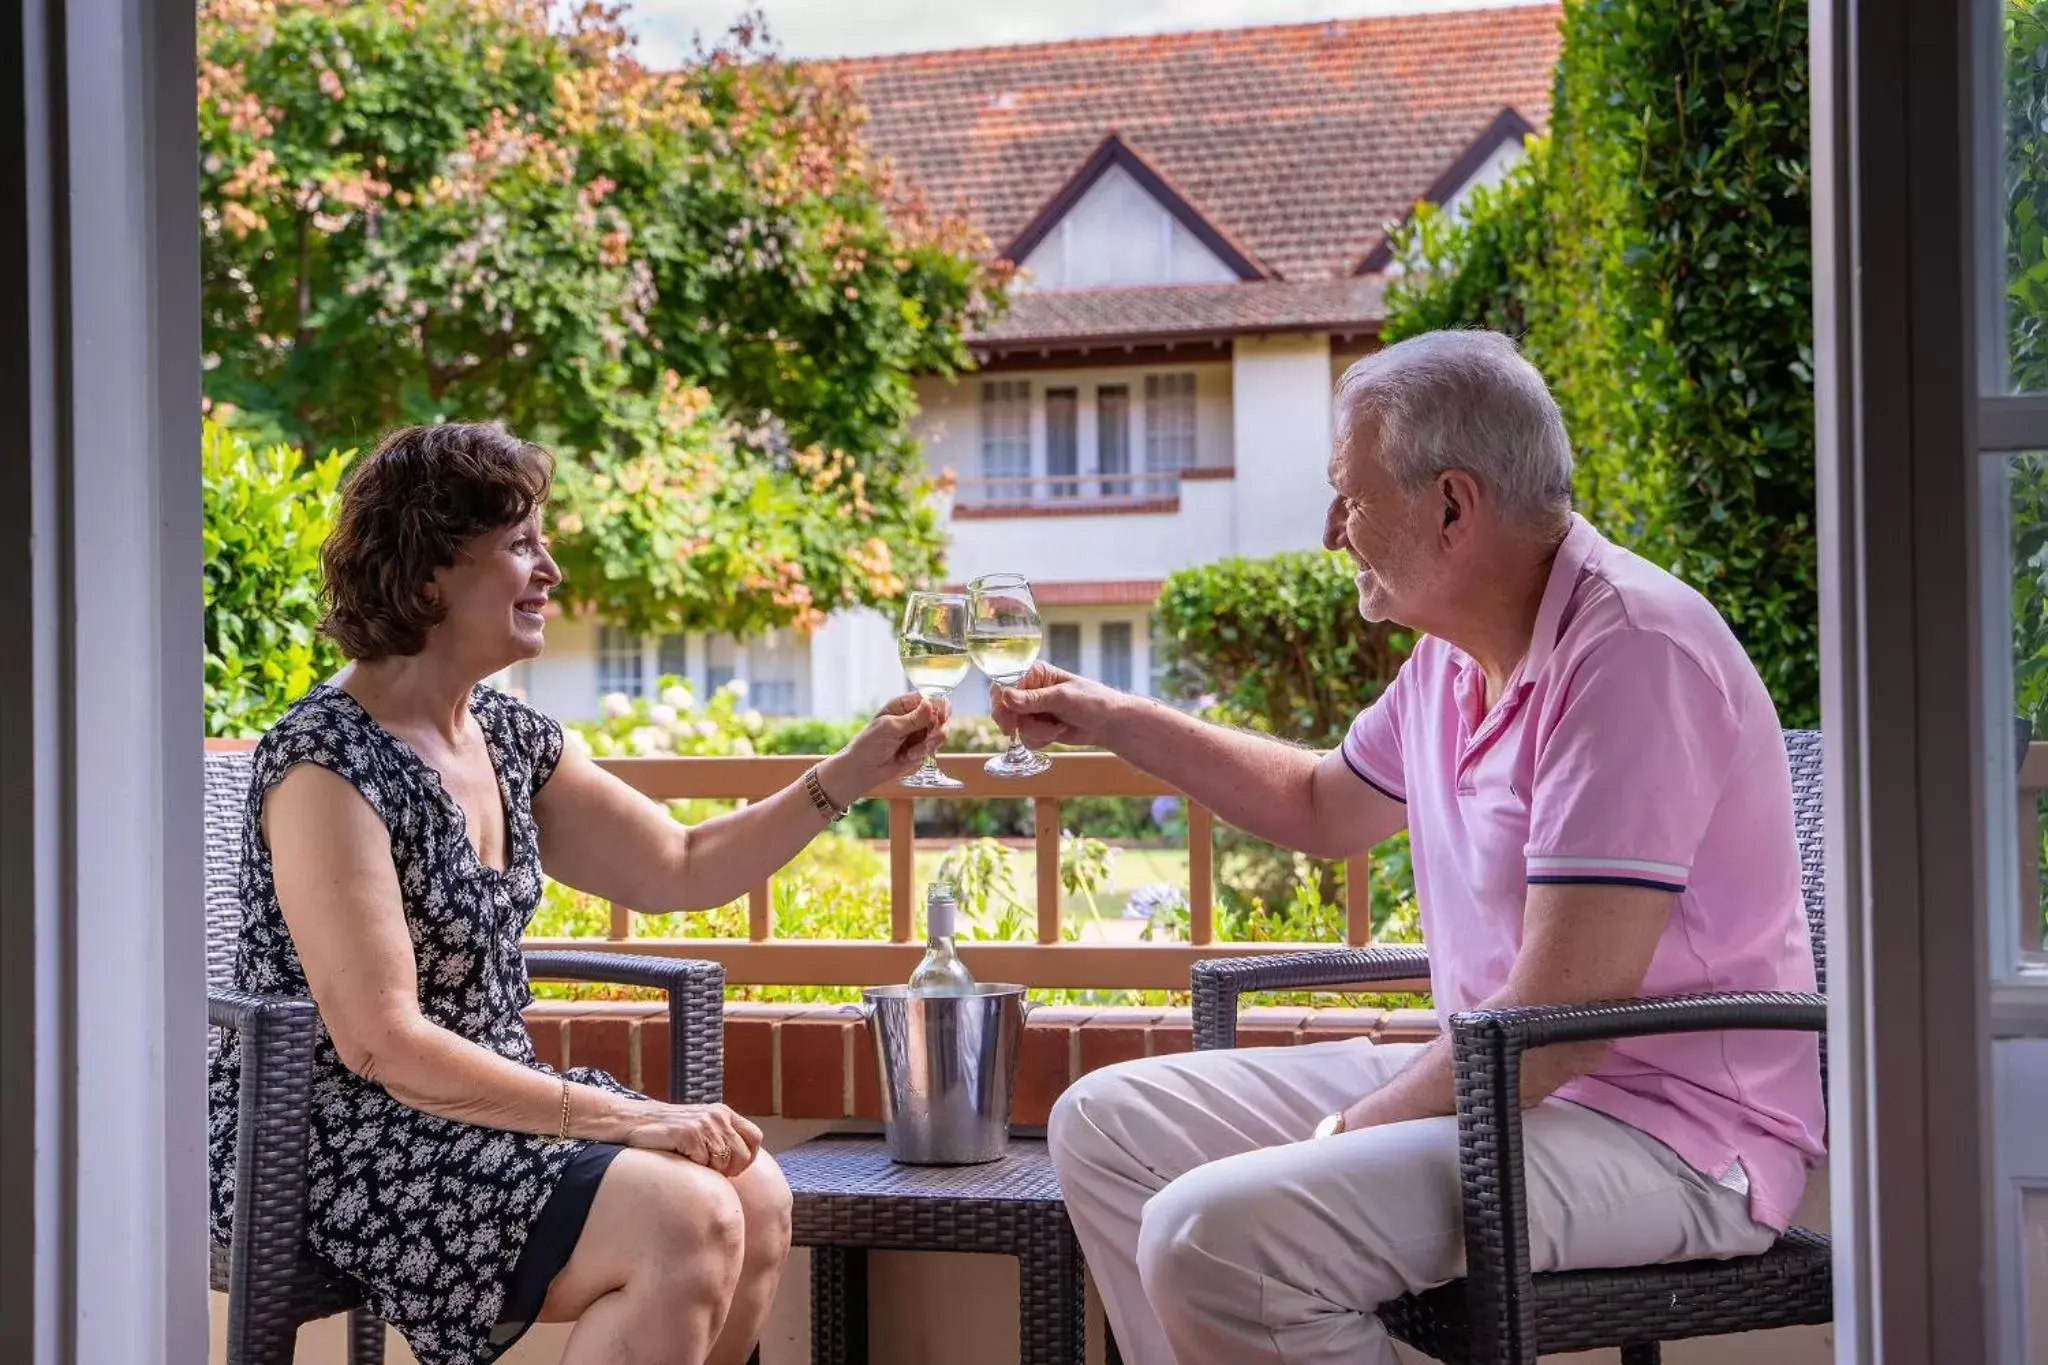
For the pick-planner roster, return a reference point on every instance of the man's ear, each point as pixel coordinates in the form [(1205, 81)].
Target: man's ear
[(1458, 497)]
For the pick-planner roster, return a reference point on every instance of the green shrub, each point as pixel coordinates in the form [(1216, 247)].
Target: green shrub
[(1275, 645), (267, 510), (1654, 258)]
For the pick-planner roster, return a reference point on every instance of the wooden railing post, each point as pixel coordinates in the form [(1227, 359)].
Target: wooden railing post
[(902, 867), (1045, 816), (760, 914), (622, 922), (1201, 874), (1358, 900)]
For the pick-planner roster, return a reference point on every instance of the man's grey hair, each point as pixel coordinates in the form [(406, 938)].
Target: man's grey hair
[(1462, 400)]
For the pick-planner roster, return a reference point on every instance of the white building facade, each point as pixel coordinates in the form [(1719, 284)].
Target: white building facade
[(1193, 276)]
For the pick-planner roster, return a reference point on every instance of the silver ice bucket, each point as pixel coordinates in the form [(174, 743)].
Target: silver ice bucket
[(948, 1065)]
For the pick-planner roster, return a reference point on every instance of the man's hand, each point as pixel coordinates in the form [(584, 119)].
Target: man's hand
[(1051, 706)]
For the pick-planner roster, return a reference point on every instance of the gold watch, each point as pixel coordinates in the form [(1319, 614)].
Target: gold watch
[(1330, 1125)]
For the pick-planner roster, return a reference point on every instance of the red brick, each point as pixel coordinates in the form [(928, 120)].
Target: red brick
[(546, 1032), (1173, 1036), (813, 1049), (654, 1057), (1328, 1025), (1408, 1026), (867, 1083), (1107, 1044), (1044, 1070), (749, 1065), (605, 1042)]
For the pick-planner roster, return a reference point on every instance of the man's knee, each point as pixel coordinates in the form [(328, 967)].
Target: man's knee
[(1076, 1131), (1193, 1231)]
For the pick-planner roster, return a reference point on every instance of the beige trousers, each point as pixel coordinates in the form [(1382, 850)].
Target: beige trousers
[(1217, 1236)]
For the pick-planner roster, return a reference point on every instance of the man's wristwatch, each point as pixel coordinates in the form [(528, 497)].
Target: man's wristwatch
[(1330, 1124), (814, 787)]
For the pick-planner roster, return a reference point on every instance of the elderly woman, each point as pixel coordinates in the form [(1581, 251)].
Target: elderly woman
[(398, 823)]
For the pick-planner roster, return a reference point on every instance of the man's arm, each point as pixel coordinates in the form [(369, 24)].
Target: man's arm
[(1280, 792), (1580, 943)]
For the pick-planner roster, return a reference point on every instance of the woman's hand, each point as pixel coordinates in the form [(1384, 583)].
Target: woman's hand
[(708, 1134), (892, 745)]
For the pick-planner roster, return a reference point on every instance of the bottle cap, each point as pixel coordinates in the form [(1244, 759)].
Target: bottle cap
[(939, 910)]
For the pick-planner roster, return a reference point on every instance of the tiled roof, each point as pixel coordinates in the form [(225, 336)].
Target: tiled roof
[(1190, 311), (1302, 142)]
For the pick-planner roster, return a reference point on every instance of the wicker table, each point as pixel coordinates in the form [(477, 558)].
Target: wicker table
[(850, 1198)]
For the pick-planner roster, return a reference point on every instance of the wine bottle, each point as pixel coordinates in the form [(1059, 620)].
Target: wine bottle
[(942, 972)]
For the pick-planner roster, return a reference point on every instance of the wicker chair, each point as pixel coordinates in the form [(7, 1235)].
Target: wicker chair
[(272, 1280), (1502, 1312)]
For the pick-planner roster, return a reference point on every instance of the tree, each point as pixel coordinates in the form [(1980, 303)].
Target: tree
[(1655, 258), (423, 209), (267, 512)]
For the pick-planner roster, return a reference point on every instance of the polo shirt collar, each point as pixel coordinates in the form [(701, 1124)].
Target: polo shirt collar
[(1580, 544)]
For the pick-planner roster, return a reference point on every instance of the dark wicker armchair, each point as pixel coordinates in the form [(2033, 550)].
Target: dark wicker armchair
[(273, 1281), (1502, 1311)]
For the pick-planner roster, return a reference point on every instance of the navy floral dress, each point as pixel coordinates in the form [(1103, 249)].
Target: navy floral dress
[(430, 1215)]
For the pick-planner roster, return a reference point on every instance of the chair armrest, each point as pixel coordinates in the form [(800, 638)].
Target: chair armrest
[(696, 1008), (1219, 981), (1487, 1048), (276, 1037)]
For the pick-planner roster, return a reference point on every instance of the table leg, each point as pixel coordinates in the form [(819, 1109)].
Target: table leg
[(839, 1306), (1052, 1301)]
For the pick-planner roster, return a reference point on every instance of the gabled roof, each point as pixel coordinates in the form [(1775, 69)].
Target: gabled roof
[(1115, 152), (1298, 144), (1510, 127)]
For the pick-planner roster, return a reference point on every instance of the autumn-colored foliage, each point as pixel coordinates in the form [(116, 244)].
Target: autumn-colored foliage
[(697, 285)]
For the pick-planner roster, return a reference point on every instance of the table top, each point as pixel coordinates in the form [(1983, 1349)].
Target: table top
[(843, 1165)]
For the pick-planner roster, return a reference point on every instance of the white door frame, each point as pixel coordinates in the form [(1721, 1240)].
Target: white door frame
[(102, 932)]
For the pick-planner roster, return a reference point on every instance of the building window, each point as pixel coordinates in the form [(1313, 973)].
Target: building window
[(618, 663), (1063, 440), (1006, 440), (673, 657), (1063, 645), (1169, 429), (1116, 654), (1155, 670), (1113, 439), (721, 659)]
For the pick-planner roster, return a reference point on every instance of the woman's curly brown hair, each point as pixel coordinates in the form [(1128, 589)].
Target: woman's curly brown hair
[(407, 510)]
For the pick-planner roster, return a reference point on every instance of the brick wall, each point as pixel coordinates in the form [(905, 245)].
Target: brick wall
[(817, 1062)]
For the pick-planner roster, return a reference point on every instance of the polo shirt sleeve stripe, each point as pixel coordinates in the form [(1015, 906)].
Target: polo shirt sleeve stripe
[(1561, 870), (1361, 774)]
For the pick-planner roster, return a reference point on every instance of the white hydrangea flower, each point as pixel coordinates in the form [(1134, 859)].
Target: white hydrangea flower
[(646, 739), (661, 713), (705, 729), (575, 739), (738, 688), (678, 696), (616, 704)]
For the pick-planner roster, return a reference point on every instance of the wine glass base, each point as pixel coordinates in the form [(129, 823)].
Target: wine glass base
[(1011, 765), (932, 781)]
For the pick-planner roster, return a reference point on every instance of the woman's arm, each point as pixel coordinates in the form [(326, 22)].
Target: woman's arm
[(600, 836), (338, 889)]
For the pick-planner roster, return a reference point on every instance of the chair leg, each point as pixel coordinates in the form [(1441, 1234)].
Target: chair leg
[(365, 1337), (1642, 1353)]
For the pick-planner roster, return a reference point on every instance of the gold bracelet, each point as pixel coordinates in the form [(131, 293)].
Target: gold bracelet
[(563, 1132), (814, 787)]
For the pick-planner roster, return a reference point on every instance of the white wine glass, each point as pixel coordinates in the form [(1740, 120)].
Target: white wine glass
[(933, 648), (1003, 638)]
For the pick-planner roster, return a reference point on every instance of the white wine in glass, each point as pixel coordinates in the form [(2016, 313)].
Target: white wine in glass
[(933, 648), (1004, 636)]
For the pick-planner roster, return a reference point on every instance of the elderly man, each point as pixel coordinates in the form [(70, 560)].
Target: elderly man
[(1594, 782)]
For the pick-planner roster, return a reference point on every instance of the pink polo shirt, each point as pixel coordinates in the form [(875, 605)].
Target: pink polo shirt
[(1634, 745)]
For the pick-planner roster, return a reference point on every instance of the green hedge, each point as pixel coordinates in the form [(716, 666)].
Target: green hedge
[(1275, 645), (1654, 256)]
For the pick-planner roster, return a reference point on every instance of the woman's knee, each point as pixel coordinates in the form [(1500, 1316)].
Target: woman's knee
[(695, 1216), (765, 1208)]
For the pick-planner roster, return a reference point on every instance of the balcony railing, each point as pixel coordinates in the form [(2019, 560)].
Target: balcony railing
[(1024, 494), (762, 959)]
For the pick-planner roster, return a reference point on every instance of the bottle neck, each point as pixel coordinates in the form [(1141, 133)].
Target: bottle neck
[(938, 921)]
